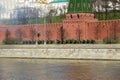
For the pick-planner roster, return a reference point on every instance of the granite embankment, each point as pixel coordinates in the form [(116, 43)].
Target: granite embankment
[(96, 51)]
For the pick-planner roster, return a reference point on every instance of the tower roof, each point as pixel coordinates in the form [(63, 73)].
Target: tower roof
[(79, 6), (58, 1)]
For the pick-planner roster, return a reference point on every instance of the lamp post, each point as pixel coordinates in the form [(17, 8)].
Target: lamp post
[(37, 32), (45, 28), (36, 28), (44, 2)]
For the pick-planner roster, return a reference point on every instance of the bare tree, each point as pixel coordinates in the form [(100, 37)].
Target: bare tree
[(51, 14), (48, 34), (62, 34), (114, 3), (97, 32), (61, 11), (32, 33), (78, 34), (106, 7), (97, 7), (7, 34), (19, 35), (114, 31), (112, 35), (65, 8), (23, 14)]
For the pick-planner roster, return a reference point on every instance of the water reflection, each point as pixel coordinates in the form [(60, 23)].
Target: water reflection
[(40, 69)]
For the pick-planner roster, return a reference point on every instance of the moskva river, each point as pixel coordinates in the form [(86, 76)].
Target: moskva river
[(47, 69)]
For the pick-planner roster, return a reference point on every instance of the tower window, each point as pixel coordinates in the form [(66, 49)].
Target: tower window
[(71, 5), (89, 5), (78, 5), (78, 16), (71, 16), (84, 5)]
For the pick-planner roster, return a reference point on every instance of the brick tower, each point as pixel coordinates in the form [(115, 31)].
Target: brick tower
[(77, 19), (80, 9)]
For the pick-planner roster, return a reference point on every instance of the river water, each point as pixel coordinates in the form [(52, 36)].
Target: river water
[(48, 69)]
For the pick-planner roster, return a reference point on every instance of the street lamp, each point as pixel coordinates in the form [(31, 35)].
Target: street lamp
[(45, 28), (44, 31), (44, 2), (37, 36)]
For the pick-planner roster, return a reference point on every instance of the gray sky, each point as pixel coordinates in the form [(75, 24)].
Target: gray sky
[(9, 5)]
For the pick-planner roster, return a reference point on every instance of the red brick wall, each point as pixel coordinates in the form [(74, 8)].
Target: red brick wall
[(2, 32), (84, 27)]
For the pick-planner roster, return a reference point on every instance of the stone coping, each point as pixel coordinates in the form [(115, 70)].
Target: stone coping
[(63, 46)]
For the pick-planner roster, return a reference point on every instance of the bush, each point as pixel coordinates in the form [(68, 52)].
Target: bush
[(33, 42), (70, 41), (110, 40), (88, 42), (29, 42), (58, 41), (66, 42), (52, 42), (79, 42), (92, 41), (47, 42), (10, 41), (83, 42), (74, 41), (39, 42), (25, 42)]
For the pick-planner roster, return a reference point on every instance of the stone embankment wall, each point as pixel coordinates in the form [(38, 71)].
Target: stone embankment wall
[(110, 52)]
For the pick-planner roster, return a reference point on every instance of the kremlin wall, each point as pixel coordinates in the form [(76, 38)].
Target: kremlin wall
[(79, 24)]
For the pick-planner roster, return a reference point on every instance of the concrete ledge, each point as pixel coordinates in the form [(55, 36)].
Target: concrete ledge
[(65, 46), (100, 52)]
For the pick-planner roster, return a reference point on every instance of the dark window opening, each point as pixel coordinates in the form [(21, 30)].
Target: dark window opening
[(78, 16), (71, 16)]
